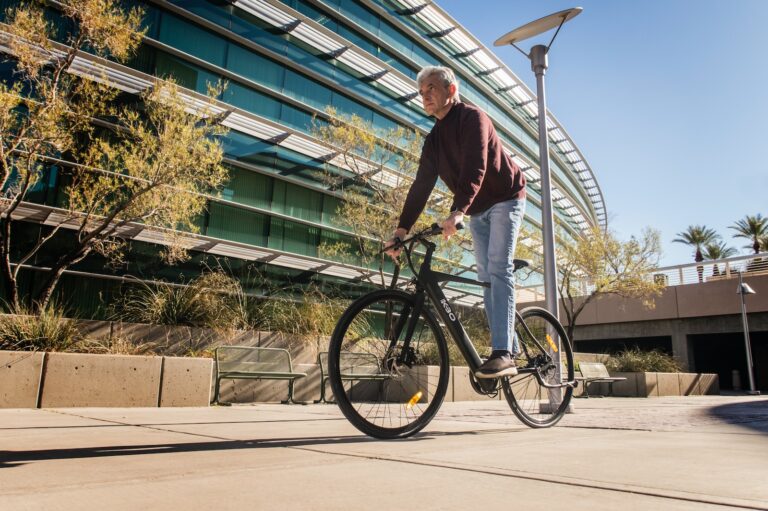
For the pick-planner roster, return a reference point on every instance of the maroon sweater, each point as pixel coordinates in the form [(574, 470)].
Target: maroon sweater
[(464, 150)]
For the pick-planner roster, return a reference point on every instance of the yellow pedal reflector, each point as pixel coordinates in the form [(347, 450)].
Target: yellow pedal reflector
[(552, 343), (415, 399)]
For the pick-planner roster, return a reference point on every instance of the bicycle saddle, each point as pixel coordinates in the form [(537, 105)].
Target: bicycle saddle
[(520, 263)]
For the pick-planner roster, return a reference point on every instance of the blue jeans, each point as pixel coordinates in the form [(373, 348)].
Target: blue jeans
[(494, 235)]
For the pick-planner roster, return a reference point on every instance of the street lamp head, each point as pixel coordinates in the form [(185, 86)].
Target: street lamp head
[(744, 289), (537, 27)]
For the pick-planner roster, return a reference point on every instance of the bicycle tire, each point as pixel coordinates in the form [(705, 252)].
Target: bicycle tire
[(535, 405), (408, 394)]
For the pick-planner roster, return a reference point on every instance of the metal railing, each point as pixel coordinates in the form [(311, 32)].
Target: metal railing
[(708, 271), (678, 275)]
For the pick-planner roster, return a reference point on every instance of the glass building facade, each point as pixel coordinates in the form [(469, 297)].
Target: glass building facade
[(285, 62)]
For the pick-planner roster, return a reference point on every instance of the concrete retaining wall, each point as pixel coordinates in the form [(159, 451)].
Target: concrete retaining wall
[(59, 380), (51, 380)]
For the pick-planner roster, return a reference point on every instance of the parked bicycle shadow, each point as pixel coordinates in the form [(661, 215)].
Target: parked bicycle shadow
[(752, 415)]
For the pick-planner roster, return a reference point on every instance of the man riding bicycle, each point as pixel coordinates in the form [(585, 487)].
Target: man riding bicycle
[(464, 150)]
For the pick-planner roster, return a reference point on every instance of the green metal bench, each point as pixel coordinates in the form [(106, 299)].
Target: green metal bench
[(596, 372), (354, 367), (249, 363)]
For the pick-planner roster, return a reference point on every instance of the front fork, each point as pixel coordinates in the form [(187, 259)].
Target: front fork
[(408, 319)]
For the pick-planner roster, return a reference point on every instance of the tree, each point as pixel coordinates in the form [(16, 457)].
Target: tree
[(149, 163), (697, 236), (718, 250), (598, 264), (754, 228), (378, 167)]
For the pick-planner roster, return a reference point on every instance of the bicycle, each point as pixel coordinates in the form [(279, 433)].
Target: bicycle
[(400, 332)]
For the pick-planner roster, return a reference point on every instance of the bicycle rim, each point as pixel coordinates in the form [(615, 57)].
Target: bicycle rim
[(534, 404), (387, 387)]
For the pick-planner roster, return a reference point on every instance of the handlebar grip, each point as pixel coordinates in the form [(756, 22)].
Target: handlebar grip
[(436, 229)]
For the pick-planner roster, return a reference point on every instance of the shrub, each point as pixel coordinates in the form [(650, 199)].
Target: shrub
[(212, 300), (636, 360), (48, 331), (314, 316)]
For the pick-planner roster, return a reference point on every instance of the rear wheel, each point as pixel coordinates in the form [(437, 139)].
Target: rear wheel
[(535, 404), (387, 368)]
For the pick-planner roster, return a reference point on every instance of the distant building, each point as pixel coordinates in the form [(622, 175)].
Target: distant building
[(285, 63)]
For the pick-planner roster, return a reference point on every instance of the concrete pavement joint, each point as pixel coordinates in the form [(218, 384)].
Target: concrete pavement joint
[(559, 480)]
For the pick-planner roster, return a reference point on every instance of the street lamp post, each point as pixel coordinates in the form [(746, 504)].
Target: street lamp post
[(743, 290), (538, 58)]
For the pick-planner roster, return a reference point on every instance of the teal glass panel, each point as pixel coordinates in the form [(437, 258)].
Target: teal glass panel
[(250, 188), (331, 216), (255, 67), (305, 90), (298, 201), (230, 223), (252, 101), (359, 14), (349, 107), (295, 118), (185, 74), (335, 239), (191, 39), (249, 149), (292, 237), (220, 14)]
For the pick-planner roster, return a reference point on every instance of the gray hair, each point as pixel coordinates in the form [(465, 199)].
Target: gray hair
[(444, 73)]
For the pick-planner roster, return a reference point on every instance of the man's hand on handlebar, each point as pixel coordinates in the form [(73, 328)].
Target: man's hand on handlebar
[(452, 224), (394, 253)]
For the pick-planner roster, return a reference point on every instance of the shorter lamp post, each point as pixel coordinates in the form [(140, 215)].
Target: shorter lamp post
[(742, 290)]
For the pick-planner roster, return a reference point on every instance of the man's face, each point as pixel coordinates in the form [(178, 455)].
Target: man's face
[(435, 96)]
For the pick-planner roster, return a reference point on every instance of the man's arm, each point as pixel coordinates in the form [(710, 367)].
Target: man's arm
[(416, 200)]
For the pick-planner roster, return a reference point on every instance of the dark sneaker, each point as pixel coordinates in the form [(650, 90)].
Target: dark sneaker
[(499, 364)]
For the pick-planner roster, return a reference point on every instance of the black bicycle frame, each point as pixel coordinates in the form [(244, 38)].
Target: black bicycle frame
[(428, 281)]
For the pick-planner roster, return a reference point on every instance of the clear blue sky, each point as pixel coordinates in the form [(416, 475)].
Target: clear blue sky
[(667, 99)]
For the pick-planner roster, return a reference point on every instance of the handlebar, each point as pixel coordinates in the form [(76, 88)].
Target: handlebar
[(433, 230)]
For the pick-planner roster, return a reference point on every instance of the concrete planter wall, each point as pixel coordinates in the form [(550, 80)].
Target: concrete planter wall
[(58, 380), (645, 384)]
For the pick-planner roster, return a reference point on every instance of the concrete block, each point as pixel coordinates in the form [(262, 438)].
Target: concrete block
[(171, 340), (135, 332), (647, 385), (628, 387), (74, 379), (97, 330), (19, 378), (308, 389), (186, 381), (248, 338), (689, 384), (668, 384), (303, 350), (462, 388), (709, 384)]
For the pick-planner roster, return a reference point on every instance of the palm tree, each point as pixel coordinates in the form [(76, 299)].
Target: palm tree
[(753, 228), (697, 236), (718, 250)]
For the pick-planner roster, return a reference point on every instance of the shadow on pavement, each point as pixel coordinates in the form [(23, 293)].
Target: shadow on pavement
[(14, 458), (748, 414)]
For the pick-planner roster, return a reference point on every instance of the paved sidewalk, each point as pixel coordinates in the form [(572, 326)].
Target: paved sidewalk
[(613, 453)]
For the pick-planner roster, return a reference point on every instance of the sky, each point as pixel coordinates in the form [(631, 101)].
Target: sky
[(667, 100)]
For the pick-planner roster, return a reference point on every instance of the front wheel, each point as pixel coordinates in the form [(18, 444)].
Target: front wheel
[(540, 393), (388, 365)]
